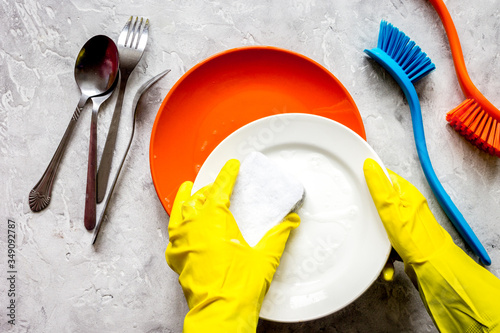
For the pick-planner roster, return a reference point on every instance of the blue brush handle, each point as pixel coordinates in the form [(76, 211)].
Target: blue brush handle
[(418, 131)]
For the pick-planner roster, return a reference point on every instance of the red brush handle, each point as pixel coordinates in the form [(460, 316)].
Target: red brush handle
[(468, 88)]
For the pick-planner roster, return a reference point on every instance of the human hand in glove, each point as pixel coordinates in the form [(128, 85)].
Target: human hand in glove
[(459, 294), (224, 279)]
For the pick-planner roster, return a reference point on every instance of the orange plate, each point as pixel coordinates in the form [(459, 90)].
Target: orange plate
[(232, 89)]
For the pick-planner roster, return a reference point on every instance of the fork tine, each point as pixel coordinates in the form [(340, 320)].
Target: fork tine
[(143, 40), (137, 35), (122, 38), (131, 35)]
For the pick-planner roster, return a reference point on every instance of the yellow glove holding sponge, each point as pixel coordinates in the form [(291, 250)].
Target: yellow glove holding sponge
[(459, 294), (224, 279)]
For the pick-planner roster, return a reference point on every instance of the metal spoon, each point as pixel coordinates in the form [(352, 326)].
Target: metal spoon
[(95, 71), (90, 197)]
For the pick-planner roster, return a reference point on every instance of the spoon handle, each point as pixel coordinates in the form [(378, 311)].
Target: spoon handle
[(39, 197), (90, 198)]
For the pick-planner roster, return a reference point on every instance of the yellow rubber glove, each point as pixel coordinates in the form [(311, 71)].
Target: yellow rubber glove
[(224, 279), (459, 294)]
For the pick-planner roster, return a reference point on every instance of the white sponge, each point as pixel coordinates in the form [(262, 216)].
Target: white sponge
[(262, 196)]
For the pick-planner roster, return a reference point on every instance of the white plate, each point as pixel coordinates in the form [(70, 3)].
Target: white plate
[(341, 246)]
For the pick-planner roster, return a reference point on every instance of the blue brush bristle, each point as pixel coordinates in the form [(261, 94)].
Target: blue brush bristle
[(404, 51)]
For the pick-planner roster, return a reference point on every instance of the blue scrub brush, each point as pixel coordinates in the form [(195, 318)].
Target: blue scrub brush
[(406, 62)]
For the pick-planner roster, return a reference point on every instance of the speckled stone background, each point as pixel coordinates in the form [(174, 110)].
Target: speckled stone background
[(124, 285)]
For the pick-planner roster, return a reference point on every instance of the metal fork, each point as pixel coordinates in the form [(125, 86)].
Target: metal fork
[(131, 44)]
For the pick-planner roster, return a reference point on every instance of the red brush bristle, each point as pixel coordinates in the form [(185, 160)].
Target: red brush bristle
[(459, 110), (471, 121), (496, 140), (485, 133), (476, 126)]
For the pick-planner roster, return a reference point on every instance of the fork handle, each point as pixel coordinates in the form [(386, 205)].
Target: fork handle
[(90, 197), (109, 147), (39, 197)]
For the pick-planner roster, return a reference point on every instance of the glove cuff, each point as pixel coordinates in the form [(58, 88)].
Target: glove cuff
[(223, 314), (457, 292)]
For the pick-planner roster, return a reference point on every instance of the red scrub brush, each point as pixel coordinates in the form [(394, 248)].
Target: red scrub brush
[(475, 118)]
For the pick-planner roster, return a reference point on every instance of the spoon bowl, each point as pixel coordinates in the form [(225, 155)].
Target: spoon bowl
[(96, 66), (96, 69)]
